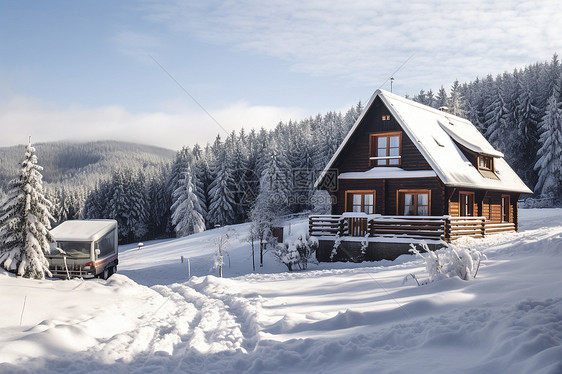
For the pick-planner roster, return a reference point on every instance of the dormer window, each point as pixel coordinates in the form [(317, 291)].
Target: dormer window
[(385, 149), (485, 163)]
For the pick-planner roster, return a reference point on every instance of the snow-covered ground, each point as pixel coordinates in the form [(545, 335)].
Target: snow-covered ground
[(334, 317)]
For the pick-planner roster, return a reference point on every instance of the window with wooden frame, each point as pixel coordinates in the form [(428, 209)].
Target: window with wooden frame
[(485, 163), (414, 202), (466, 204), (385, 149), (385, 117), (360, 201), (505, 208)]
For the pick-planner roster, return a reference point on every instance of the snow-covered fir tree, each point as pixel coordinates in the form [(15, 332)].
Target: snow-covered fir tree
[(276, 184), (183, 158), (526, 120), (497, 117), (129, 205), (25, 222), (456, 100), (187, 210), (159, 207), (221, 192), (441, 99), (139, 205), (549, 163)]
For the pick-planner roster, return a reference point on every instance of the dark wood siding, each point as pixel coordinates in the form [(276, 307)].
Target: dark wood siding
[(412, 159), (355, 154), (350, 184), (432, 184), (386, 193)]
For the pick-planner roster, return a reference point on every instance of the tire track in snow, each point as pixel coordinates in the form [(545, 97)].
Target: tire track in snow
[(202, 316)]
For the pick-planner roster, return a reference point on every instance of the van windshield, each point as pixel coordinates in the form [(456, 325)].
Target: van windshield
[(74, 249)]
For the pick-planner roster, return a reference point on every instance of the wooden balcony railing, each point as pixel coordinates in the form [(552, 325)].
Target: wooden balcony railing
[(429, 227)]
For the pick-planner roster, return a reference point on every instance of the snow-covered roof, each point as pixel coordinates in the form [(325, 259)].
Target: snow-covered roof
[(466, 134), (387, 173), (83, 230), (434, 133)]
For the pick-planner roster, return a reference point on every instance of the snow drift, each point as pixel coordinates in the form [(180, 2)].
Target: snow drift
[(331, 318)]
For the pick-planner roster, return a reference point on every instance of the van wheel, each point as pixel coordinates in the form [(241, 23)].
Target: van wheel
[(106, 273)]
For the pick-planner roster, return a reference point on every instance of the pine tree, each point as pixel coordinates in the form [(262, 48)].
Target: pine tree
[(549, 164), (159, 209), (239, 174), (183, 157), (497, 118), (276, 183), (138, 205), (187, 212), (25, 221), (221, 192), (441, 98), (526, 123), (117, 207), (456, 102)]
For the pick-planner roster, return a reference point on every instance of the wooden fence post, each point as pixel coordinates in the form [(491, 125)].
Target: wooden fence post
[(447, 229)]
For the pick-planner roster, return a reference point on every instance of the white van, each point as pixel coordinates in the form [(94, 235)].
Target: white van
[(84, 248)]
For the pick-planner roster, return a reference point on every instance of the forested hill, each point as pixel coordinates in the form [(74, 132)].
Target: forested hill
[(83, 163)]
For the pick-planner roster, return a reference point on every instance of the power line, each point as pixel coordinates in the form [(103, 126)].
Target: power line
[(397, 70), (188, 94)]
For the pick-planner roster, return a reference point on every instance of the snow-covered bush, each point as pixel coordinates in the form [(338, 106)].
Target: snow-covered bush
[(337, 243), (222, 243), (364, 245), (296, 254), (449, 262)]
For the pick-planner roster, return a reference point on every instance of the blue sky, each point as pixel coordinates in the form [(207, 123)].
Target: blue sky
[(81, 70)]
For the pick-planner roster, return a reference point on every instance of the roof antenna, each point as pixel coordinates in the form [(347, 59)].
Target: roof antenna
[(396, 71)]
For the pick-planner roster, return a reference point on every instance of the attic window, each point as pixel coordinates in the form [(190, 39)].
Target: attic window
[(486, 167), (485, 163), (385, 149), (385, 117)]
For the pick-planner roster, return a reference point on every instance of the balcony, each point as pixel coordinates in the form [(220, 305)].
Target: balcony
[(445, 228)]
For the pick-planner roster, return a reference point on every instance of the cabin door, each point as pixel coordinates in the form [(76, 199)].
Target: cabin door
[(359, 201)]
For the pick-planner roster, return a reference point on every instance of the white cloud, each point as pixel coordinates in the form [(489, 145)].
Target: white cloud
[(22, 117), (365, 41)]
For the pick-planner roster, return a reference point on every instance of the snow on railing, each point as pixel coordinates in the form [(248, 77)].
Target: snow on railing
[(419, 227)]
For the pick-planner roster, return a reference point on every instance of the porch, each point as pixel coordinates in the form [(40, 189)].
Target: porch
[(375, 237), (445, 228)]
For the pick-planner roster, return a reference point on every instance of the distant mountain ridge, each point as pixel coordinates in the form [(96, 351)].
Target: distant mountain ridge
[(83, 163)]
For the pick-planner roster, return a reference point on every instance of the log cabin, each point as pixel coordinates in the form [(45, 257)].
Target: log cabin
[(407, 172)]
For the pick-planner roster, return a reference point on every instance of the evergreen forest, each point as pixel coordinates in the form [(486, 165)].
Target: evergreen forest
[(153, 193)]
